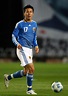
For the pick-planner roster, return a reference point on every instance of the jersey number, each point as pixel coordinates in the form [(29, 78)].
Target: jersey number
[(25, 29)]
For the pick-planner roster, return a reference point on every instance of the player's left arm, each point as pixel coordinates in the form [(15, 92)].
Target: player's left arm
[(36, 49), (35, 43)]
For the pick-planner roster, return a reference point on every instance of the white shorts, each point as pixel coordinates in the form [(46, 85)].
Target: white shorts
[(25, 55)]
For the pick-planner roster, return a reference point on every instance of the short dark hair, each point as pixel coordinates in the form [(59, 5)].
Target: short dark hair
[(28, 6)]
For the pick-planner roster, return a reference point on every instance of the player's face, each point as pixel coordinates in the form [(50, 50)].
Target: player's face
[(28, 14)]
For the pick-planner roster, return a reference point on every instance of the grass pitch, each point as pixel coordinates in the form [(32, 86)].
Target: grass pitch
[(45, 74)]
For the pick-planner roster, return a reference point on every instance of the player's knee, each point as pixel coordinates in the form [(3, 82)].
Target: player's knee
[(31, 70)]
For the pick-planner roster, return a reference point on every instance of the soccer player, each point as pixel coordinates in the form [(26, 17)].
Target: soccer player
[(25, 39)]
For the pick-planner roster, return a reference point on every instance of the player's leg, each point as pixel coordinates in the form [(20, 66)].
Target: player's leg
[(29, 68), (29, 77), (20, 73), (17, 74)]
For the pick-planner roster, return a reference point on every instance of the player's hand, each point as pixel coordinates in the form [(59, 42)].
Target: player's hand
[(19, 46), (37, 49)]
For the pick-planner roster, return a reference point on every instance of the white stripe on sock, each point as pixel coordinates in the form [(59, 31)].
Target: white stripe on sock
[(12, 75)]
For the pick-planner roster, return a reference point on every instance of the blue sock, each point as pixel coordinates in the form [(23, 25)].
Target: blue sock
[(17, 74), (29, 81)]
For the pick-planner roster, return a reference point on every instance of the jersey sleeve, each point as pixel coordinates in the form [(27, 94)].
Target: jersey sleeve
[(35, 40), (15, 35), (35, 37)]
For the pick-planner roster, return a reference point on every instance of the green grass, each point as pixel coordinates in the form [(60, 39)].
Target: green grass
[(45, 74)]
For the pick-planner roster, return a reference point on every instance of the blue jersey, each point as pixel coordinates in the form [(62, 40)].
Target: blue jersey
[(24, 33)]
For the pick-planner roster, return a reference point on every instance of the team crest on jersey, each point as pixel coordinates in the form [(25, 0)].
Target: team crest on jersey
[(34, 29)]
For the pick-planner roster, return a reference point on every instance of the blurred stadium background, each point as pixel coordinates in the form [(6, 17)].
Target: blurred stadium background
[(52, 19)]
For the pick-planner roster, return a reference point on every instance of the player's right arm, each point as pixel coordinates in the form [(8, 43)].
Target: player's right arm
[(15, 36)]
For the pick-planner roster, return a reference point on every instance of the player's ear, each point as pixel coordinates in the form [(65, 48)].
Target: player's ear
[(24, 14), (33, 14)]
